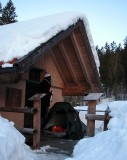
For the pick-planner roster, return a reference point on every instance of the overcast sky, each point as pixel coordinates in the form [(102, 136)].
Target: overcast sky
[(107, 18)]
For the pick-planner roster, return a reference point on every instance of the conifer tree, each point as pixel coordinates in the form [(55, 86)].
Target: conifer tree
[(125, 60), (111, 69), (8, 13), (0, 8), (1, 23)]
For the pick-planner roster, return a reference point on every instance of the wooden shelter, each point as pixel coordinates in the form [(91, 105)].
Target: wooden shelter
[(67, 56)]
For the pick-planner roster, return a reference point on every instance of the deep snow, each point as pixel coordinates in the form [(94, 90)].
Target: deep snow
[(106, 145)]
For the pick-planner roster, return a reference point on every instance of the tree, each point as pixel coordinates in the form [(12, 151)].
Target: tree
[(104, 57), (125, 43), (111, 69), (8, 13), (1, 23), (125, 60), (0, 8)]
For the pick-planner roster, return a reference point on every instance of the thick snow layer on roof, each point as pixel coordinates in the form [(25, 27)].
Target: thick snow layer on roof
[(17, 39)]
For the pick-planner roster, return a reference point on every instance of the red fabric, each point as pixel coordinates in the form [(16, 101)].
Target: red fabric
[(57, 129), (1, 63), (11, 61)]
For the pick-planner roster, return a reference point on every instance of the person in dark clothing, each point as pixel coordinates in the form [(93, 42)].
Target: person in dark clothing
[(45, 84), (44, 87)]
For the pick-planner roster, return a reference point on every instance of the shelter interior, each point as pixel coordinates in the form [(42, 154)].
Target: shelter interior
[(67, 57)]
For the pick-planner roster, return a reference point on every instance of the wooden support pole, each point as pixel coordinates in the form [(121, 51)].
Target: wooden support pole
[(18, 110), (27, 130), (91, 123), (106, 120), (36, 124), (92, 98), (95, 117)]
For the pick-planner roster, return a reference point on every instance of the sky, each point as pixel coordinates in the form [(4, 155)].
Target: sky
[(107, 18), (105, 145)]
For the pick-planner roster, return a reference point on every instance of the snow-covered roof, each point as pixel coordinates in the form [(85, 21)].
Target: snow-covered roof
[(18, 39)]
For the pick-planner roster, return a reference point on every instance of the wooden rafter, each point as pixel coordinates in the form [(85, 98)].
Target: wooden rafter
[(58, 68), (79, 55), (68, 62)]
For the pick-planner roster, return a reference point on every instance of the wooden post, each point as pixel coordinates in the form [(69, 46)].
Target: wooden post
[(107, 118), (91, 99), (91, 123), (37, 119), (37, 124)]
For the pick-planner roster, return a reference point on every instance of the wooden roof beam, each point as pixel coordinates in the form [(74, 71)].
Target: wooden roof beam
[(75, 90), (68, 62), (78, 52), (58, 68)]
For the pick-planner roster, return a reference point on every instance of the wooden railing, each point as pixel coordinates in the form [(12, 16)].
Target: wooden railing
[(105, 118), (92, 117), (36, 111), (35, 131)]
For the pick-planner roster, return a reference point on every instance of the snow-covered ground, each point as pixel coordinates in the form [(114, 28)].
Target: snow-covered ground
[(106, 145), (13, 147), (110, 144)]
